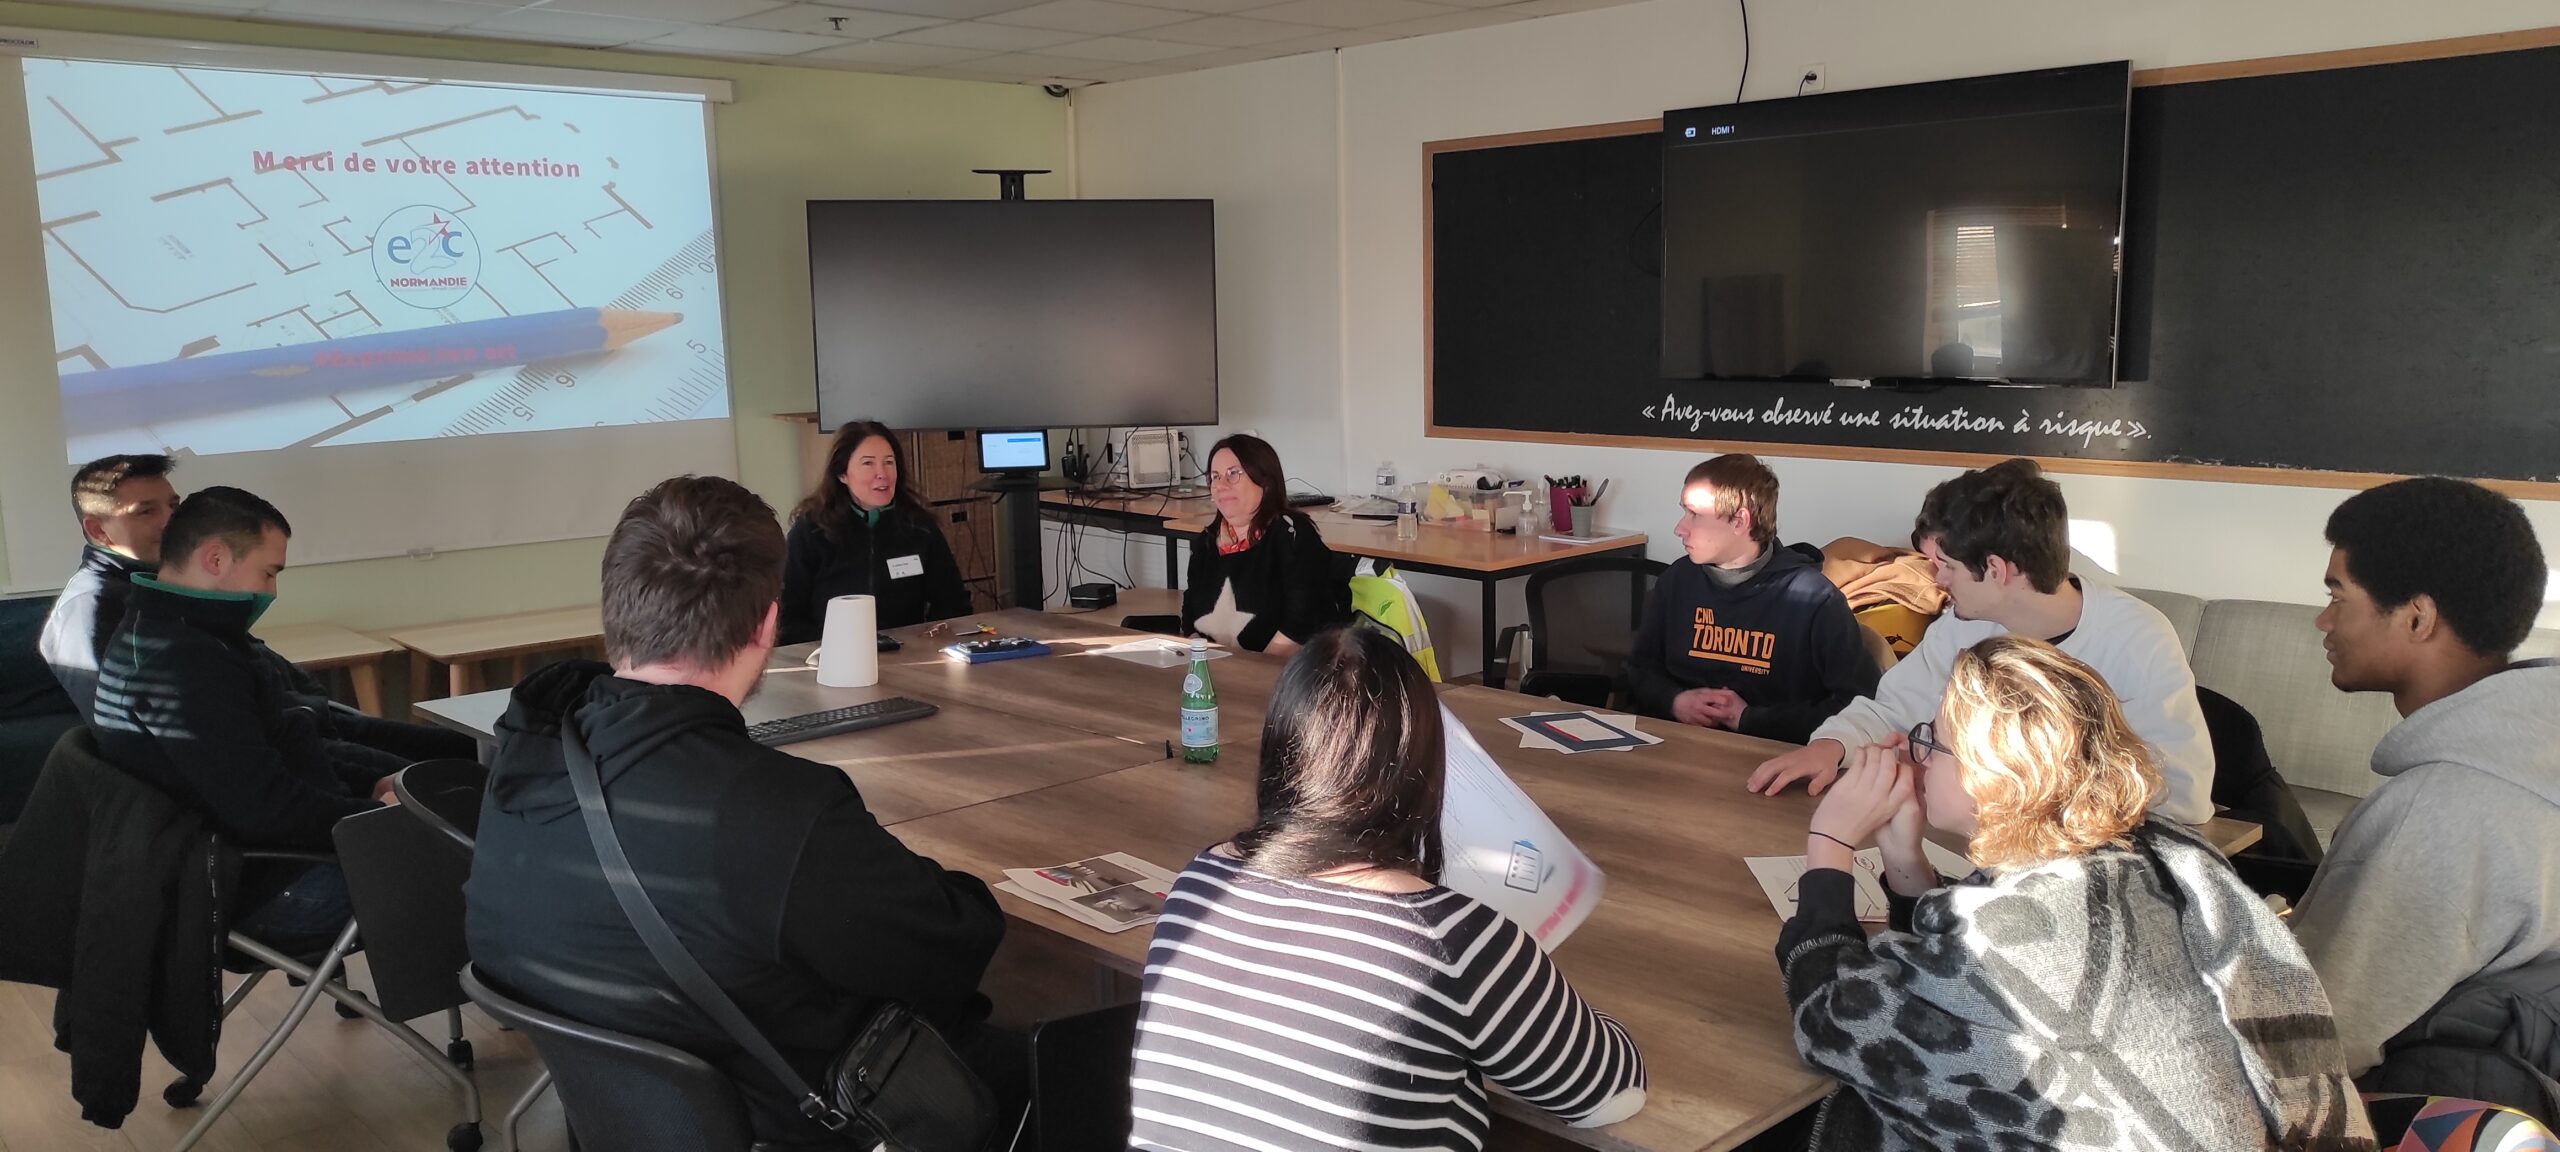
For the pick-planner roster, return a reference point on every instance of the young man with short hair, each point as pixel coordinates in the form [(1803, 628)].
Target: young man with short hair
[(2450, 869), (124, 504), (1743, 632), (187, 702), (1998, 540), (768, 866)]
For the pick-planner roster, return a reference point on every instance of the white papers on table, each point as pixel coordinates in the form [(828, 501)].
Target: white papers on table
[(1157, 652), (1778, 876), (1571, 732), (1114, 893), (1608, 539), (1503, 850)]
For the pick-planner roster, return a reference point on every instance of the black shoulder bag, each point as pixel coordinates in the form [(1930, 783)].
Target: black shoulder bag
[(897, 1087)]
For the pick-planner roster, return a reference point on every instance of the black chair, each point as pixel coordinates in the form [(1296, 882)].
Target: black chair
[(1080, 1080), (446, 794), (2246, 786), (1583, 616), (622, 1092)]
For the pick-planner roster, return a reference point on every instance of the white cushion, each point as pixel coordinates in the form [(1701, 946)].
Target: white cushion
[(2185, 613), (2267, 656)]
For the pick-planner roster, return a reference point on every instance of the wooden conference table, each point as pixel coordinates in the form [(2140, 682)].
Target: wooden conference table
[(1487, 558), (1041, 761)]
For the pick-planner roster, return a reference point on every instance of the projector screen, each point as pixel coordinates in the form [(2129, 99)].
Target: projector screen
[(417, 314)]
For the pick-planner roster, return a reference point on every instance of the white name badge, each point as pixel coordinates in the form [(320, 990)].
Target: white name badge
[(901, 567)]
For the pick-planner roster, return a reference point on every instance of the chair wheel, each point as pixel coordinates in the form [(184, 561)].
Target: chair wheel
[(346, 1013), (181, 1093), (459, 1052), (463, 1138)]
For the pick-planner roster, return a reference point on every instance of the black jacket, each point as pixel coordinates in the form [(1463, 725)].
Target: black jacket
[(1783, 640), (767, 866), (86, 613), (2495, 1037), (190, 704), (854, 560), (112, 892), (1286, 580)]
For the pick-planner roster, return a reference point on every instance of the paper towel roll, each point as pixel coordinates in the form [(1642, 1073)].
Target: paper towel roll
[(849, 648)]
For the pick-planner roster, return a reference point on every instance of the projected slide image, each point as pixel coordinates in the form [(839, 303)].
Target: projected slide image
[(245, 261)]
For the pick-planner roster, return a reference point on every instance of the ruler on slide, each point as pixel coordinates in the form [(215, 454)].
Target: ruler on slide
[(672, 375)]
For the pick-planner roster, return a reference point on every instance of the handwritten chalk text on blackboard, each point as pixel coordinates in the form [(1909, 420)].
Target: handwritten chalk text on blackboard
[(1898, 414)]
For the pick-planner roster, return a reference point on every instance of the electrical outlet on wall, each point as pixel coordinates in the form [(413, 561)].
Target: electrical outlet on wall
[(1812, 80)]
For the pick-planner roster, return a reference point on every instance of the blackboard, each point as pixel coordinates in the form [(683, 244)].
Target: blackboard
[(2328, 274)]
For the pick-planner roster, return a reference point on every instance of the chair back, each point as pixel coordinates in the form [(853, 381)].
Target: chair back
[(1583, 613), (405, 875), (1080, 1080), (623, 1092), (446, 794)]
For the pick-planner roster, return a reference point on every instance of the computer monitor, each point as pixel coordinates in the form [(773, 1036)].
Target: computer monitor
[(1015, 451)]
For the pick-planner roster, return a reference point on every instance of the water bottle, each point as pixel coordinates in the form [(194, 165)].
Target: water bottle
[(1199, 708), (1386, 489), (1409, 514)]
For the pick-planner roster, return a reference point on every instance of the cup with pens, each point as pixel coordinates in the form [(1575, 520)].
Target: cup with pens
[(1576, 502)]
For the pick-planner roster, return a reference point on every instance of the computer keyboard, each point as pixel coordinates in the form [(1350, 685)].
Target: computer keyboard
[(835, 721)]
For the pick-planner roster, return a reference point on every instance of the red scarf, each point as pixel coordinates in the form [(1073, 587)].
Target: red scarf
[(1229, 545)]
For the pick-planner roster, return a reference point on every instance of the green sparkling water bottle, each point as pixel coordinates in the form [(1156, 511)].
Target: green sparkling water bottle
[(1199, 708)]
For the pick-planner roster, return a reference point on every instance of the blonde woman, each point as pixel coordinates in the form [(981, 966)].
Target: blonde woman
[(2102, 982)]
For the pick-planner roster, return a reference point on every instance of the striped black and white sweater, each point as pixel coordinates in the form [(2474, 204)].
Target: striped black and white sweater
[(1297, 1014)]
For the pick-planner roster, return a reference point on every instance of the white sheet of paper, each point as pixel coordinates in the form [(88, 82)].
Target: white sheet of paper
[(1539, 741), (1113, 892), (1586, 729), (1157, 652), (1504, 851), (1778, 875)]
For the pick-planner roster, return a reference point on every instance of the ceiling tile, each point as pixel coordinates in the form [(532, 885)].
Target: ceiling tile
[(1329, 39), (717, 41), (675, 11), (1032, 66), (1091, 17), (401, 14), (1128, 50), (828, 20), (554, 27), (961, 72), (891, 54), (990, 37), (946, 9), (1559, 7), (1204, 7), (204, 7), (1487, 3), (1445, 22), (1348, 13), (1231, 31)]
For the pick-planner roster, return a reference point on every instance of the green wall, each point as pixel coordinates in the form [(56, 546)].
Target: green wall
[(793, 134)]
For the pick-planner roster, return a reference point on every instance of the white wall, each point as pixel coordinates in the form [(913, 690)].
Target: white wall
[(1632, 62), (1259, 139)]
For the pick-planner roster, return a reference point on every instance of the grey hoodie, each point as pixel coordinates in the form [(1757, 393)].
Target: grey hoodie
[(2448, 870)]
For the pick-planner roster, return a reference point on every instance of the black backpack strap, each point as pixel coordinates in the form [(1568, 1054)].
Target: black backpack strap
[(670, 953)]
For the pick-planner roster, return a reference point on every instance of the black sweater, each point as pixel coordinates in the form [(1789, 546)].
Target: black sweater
[(86, 613), (1783, 640), (191, 704), (1286, 580), (854, 561), (768, 867)]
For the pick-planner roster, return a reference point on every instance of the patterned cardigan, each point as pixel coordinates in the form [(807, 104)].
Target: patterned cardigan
[(2133, 997)]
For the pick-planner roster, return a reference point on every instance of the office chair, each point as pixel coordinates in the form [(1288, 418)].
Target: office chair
[(622, 1092), (1583, 616), (1080, 1080), (446, 794)]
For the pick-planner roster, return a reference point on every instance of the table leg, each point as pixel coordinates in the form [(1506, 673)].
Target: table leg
[(1492, 634), (465, 676), (422, 685), (517, 665), (365, 677), (1173, 561)]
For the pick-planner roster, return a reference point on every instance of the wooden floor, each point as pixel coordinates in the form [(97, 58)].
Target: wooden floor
[(346, 1086)]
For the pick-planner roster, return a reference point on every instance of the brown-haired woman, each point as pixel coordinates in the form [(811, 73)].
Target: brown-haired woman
[(2102, 981), (862, 532), (1311, 985), (1266, 555)]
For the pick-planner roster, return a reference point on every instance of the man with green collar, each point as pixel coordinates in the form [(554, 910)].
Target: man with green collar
[(187, 704)]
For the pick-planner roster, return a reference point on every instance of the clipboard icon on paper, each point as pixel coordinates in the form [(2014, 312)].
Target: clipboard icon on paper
[(1528, 869)]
